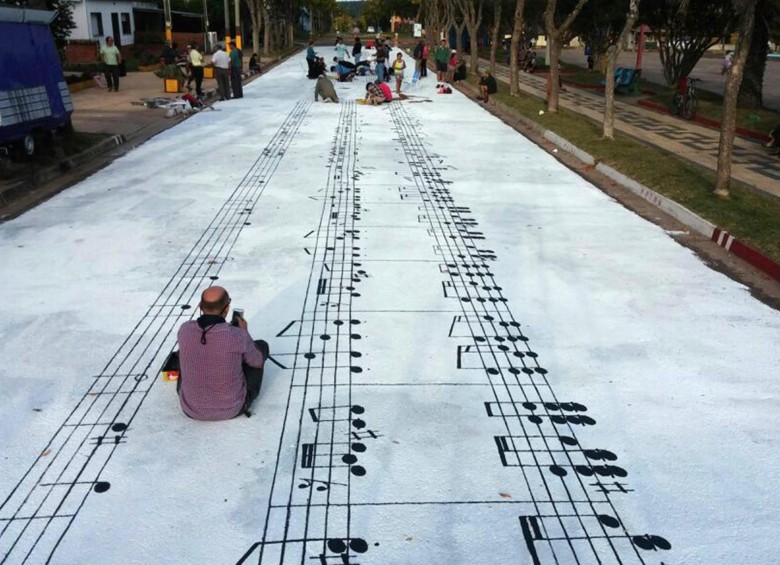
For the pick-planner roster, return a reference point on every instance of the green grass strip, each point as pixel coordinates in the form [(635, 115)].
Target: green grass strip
[(752, 218)]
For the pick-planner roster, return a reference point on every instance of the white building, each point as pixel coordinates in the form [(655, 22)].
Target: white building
[(97, 19)]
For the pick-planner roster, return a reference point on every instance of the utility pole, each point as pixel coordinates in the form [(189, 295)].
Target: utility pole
[(168, 21), (227, 26), (237, 30), (206, 26)]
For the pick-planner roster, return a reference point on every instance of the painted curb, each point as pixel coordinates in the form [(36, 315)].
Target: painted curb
[(92, 152), (583, 156), (677, 211), (66, 164)]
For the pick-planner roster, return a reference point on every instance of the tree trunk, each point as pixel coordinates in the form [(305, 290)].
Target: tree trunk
[(474, 60), (553, 86), (459, 38), (494, 35), (517, 31), (612, 56), (750, 92), (255, 21), (267, 31), (555, 37), (609, 93), (474, 38), (728, 124), (256, 35), (472, 18)]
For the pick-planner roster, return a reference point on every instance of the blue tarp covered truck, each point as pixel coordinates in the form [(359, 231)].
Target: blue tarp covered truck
[(33, 94)]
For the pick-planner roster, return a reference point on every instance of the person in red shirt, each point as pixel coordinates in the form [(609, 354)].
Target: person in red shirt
[(221, 368), (385, 88)]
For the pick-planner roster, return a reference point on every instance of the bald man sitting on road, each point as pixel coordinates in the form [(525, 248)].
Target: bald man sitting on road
[(221, 367)]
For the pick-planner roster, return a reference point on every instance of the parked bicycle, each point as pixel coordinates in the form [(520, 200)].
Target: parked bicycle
[(685, 100)]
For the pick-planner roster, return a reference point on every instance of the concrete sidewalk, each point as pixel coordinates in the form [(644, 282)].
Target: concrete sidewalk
[(99, 111), (707, 69), (751, 165)]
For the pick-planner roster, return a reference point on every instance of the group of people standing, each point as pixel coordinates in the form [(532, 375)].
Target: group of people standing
[(420, 56), (228, 69), (449, 67)]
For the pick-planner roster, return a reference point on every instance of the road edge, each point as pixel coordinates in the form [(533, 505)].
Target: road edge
[(679, 212)]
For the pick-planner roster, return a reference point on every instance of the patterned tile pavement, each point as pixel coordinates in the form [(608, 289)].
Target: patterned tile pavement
[(697, 144)]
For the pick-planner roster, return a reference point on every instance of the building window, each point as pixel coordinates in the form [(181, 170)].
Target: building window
[(97, 24), (126, 30)]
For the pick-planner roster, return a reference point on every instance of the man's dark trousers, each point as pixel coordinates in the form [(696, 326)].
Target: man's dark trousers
[(254, 376), (223, 83), (112, 76), (197, 73), (235, 81)]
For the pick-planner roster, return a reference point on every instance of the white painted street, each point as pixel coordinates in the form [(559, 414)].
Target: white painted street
[(480, 358)]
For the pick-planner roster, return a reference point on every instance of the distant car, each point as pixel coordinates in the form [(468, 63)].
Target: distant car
[(370, 29)]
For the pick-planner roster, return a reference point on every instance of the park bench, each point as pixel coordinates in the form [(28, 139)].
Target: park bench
[(626, 80)]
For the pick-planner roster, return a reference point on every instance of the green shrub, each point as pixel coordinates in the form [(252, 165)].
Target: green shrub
[(169, 71)]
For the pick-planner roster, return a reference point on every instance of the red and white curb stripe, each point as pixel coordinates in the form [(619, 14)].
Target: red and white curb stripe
[(722, 238)]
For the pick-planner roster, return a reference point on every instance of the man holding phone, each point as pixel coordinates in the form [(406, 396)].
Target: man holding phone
[(221, 367)]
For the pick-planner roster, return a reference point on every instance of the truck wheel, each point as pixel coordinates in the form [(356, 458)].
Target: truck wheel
[(28, 143)]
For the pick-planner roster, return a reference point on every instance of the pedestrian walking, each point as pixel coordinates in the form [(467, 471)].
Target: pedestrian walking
[(111, 58), (311, 57), (398, 69), (341, 50), (236, 69), (221, 63), (424, 63), (357, 50), (196, 62), (417, 55), (381, 57)]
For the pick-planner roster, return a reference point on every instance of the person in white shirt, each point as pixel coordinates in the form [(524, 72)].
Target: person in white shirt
[(221, 63), (341, 50)]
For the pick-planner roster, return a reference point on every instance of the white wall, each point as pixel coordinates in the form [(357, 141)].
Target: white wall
[(81, 15), (81, 20)]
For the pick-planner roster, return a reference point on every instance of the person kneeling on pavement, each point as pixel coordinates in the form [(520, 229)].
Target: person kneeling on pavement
[(374, 94), (345, 70), (325, 88), (221, 367)]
